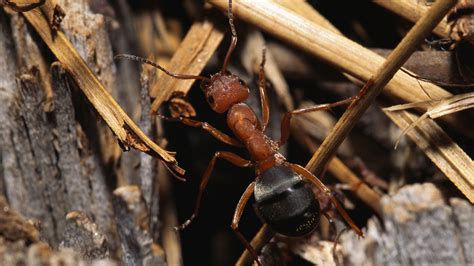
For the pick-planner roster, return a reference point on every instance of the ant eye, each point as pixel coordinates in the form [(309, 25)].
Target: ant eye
[(242, 82), (210, 99)]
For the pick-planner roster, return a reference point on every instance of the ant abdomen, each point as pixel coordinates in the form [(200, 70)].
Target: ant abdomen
[(286, 202)]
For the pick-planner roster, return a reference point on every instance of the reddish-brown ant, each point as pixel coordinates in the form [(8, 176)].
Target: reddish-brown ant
[(283, 198)]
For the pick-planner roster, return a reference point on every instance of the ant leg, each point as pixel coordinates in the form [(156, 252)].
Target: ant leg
[(313, 179), (228, 156), (285, 123), (262, 86), (205, 126), (330, 220), (236, 219)]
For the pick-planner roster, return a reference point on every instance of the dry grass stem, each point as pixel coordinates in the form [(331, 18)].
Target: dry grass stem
[(251, 58), (194, 52), (261, 239), (335, 166), (312, 14), (413, 10), (299, 32), (127, 132), (377, 83), (336, 50), (437, 109), (21, 5)]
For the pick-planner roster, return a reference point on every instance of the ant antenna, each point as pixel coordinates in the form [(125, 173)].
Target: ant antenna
[(146, 61), (233, 43)]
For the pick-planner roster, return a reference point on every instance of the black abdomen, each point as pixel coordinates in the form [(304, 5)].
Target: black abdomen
[(286, 202)]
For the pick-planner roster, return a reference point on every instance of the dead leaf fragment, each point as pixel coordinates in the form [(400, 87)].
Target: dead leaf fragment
[(436, 108)]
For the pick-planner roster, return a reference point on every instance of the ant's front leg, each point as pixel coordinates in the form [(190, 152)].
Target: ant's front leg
[(206, 127), (236, 219), (228, 156), (313, 179)]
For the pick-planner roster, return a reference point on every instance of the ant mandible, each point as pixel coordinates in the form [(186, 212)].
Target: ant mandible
[(283, 198)]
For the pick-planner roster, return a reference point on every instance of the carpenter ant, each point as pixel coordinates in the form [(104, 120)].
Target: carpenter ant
[(284, 199)]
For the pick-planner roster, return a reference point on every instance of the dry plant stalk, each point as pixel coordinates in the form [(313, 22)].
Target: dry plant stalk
[(251, 57), (194, 52), (377, 82), (412, 10), (373, 87), (436, 109), (455, 176), (335, 166), (22, 5), (336, 50), (127, 132)]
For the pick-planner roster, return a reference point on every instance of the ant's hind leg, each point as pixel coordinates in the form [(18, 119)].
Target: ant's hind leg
[(228, 156), (236, 219), (313, 179)]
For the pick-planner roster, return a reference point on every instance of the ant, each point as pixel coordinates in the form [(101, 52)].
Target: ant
[(284, 199)]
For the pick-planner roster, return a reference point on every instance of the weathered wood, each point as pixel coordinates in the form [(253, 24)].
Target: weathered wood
[(80, 168), (148, 164), (29, 56), (133, 227), (14, 227), (76, 183), (148, 171), (13, 174), (47, 185), (87, 33), (418, 228), (82, 235), (50, 170), (18, 253)]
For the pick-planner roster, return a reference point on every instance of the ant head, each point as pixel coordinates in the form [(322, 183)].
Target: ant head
[(224, 90)]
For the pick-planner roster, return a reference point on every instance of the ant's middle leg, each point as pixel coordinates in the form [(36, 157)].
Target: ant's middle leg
[(285, 123), (228, 156), (221, 136), (313, 179)]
